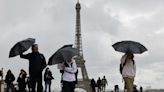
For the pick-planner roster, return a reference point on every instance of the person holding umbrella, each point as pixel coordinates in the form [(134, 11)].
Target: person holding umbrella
[(128, 70), (65, 58), (69, 77), (127, 66), (37, 63)]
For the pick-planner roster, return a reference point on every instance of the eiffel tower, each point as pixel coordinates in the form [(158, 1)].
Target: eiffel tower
[(84, 82)]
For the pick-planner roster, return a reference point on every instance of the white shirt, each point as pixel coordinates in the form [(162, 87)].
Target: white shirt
[(129, 69), (69, 72)]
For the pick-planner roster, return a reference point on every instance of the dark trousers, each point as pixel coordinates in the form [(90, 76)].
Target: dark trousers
[(99, 88), (93, 89), (68, 86), (10, 86), (47, 84), (22, 87), (36, 81)]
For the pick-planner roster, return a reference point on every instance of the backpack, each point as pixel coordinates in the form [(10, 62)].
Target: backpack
[(121, 67)]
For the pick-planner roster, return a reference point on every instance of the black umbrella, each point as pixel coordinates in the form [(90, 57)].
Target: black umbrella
[(63, 54), (21, 47), (129, 46)]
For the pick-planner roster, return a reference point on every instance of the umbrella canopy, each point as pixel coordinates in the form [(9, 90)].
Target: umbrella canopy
[(21, 47), (63, 54), (129, 46)]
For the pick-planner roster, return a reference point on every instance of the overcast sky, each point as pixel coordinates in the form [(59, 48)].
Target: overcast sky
[(103, 22)]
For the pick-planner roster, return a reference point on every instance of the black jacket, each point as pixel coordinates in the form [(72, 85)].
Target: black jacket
[(37, 63), (48, 76), (9, 78), (22, 79)]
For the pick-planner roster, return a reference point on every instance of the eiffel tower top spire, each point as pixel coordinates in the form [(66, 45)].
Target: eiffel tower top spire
[(78, 6), (78, 38)]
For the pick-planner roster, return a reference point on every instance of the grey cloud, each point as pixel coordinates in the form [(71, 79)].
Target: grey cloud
[(135, 6), (18, 10), (94, 18)]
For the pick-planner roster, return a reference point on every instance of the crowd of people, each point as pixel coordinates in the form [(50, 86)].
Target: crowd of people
[(37, 64), (100, 85), (68, 70), (135, 89), (24, 81)]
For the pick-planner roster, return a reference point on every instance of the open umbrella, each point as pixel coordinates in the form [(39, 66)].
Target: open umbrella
[(129, 46), (21, 47), (63, 54)]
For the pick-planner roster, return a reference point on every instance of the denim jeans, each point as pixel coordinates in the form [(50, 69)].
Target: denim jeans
[(47, 84)]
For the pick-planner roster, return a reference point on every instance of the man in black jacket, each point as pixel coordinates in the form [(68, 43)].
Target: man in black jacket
[(37, 63), (9, 79)]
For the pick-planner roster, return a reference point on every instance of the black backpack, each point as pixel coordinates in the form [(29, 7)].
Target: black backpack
[(121, 68)]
